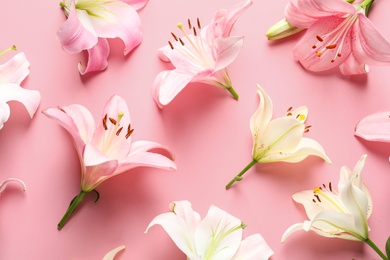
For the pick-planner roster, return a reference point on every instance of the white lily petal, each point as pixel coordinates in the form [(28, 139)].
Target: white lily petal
[(218, 235), (4, 113), (111, 255), (292, 229), (263, 114), (253, 248)]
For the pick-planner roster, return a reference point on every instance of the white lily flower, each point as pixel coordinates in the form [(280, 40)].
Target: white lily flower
[(341, 215), (216, 237), (280, 139)]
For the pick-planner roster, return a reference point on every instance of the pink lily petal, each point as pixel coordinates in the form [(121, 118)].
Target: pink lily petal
[(146, 146), (15, 70), (77, 120), (4, 113), (4, 184), (104, 139), (224, 19), (307, 56), (227, 51), (352, 66), (370, 46), (73, 36), (303, 13), (375, 127), (253, 248), (146, 159), (120, 20), (180, 224), (168, 84), (98, 168), (29, 98), (97, 57), (136, 4)]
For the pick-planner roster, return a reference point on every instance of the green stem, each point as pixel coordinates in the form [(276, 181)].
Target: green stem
[(238, 177), (73, 205), (376, 249), (233, 92)]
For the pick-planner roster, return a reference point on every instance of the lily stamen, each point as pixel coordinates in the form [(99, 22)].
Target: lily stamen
[(112, 120), (189, 24), (198, 22), (119, 131)]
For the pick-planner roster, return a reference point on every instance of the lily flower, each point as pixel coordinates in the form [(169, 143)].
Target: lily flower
[(107, 149), (91, 22), (342, 214), (217, 236), (281, 139), (4, 184), (12, 73), (111, 255), (200, 55), (339, 34)]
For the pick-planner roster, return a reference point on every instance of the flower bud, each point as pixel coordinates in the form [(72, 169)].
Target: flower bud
[(281, 30)]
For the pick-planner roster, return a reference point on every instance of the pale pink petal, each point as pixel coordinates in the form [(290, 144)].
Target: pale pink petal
[(118, 20), (114, 107), (302, 13), (79, 127), (146, 159), (352, 66), (15, 70), (253, 248), (29, 98), (147, 146), (98, 168), (180, 226), (218, 225), (111, 255), (227, 50), (168, 84), (370, 46), (164, 53), (73, 36), (97, 57), (224, 19), (4, 113), (4, 184), (375, 127), (307, 56), (136, 4)]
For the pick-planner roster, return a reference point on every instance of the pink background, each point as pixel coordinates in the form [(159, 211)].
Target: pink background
[(207, 130)]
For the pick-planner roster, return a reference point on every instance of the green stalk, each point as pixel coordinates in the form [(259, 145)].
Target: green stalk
[(238, 177), (73, 205), (376, 249), (233, 92)]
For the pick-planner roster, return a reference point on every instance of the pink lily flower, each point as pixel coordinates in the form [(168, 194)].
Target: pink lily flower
[(339, 34), (218, 236), (91, 22), (4, 184), (107, 149), (12, 73), (201, 55)]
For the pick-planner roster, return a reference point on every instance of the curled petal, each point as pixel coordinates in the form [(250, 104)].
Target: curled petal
[(292, 229), (111, 255), (4, 113), (263, 114), (168, 84), (180, 226), (146, 159), (4, 184), (146, 146), (352, 66), (14, 70), (73, 35), (118, 20), (375, 127), (97, 57), (253, 248), (218, 235)]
